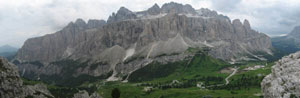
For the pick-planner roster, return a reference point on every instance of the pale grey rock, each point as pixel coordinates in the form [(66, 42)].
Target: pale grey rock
[(10, 81), (173, 7), (295, 34), (172, 33), (58, 45), (154, 10), (207, 12), (80, 23), (122, 14), (85, 94), (93, 23), (247, 24), (11, 84), (38, 91), (284, 81)]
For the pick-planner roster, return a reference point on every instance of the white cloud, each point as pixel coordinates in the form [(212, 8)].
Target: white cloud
[(273, 17), (22, 19)]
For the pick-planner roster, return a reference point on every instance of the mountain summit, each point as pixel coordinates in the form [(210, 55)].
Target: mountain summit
[(131, 40)]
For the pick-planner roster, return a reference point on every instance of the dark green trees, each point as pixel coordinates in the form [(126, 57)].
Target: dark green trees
[(115, 93)]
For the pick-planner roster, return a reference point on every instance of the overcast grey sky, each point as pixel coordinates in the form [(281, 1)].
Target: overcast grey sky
[(22, 19)]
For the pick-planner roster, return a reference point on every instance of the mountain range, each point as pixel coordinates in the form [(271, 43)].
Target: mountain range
[(289, 43), (128, 41), (7, 48), (8, 51)]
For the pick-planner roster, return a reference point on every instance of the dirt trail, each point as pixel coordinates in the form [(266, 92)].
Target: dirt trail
[(227, 78), (233, 73)]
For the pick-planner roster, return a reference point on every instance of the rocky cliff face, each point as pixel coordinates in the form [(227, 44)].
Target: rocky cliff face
[(130, 40), (283, 82), (295, 33), (11, 85)]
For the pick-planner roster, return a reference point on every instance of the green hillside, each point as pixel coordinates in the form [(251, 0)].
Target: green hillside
[(201, 68)]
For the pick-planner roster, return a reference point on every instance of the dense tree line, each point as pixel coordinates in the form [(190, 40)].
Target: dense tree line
[(186, 83), (243, 82)]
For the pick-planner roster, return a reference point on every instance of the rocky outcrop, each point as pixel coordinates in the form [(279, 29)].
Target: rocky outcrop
[(11, 84), (296, 31), (85, 94), (10, 80), (154, 10), (173, 7), (93, 23), (130, 40), (283, 82), (60, 44), (122, 14), (295, 34)]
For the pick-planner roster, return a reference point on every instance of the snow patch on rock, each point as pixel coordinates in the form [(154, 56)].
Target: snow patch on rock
[(129, 52)]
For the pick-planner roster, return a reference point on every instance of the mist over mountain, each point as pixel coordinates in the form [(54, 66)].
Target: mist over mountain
[(289, 43), (8, 51), (8, 48)]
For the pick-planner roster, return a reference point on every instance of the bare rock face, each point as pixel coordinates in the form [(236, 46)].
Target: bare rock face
[(154, 10), (10, 80), (130, 40), (93, 23), (85, 94), (173, 7), (295, 31), (122, 14), (295, 35), (283, 82), (11, 85)]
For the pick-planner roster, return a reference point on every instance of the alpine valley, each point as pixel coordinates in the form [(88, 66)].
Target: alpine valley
[(172, 51)]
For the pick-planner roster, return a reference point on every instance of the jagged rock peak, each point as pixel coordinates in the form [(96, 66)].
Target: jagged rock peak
[(80, 21), (207, 12), (123, 10), (122, 14), (155, 6), (173, 7), (82, 25), (154, 10), (236, 22), (247, 24)]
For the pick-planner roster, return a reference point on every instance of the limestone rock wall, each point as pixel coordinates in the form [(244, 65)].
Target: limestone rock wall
[(284, 81)]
